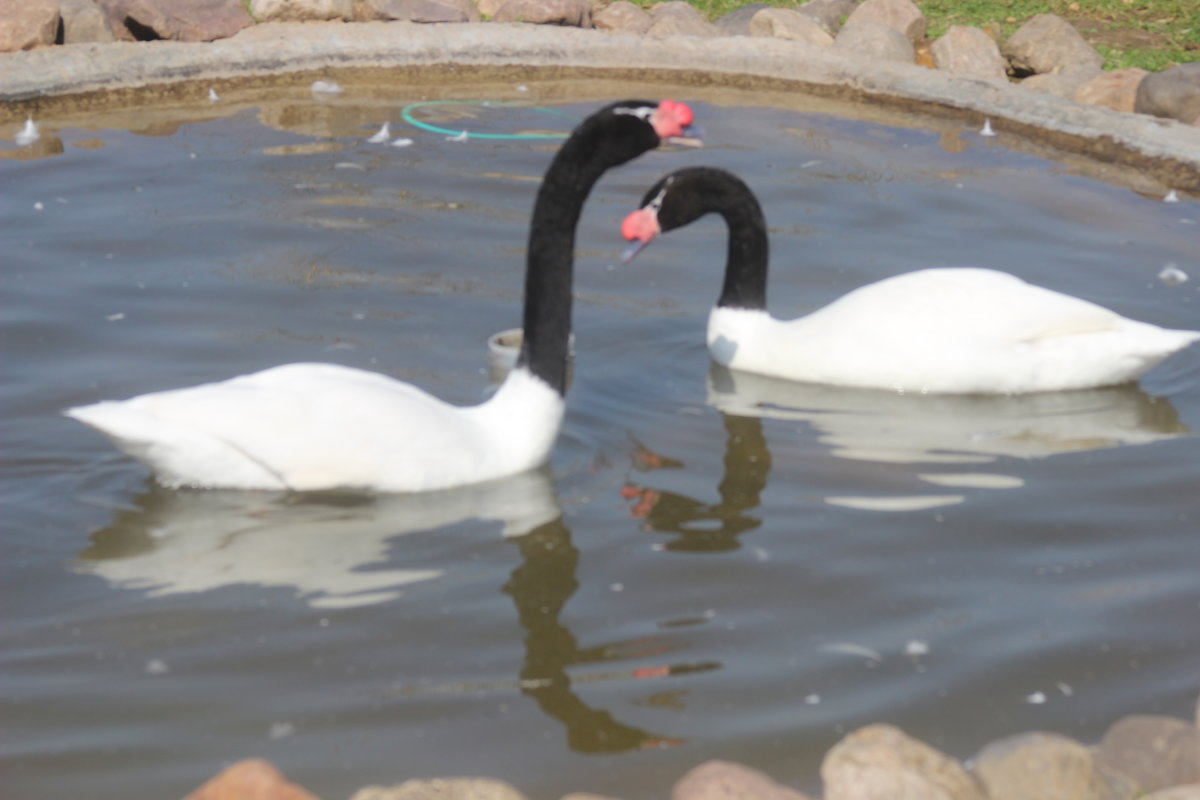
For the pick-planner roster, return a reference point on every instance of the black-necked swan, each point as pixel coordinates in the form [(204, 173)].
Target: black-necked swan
[(951, 330), (309, 427)]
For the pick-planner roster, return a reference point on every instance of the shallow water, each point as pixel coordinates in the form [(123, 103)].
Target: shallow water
[(681, 583)]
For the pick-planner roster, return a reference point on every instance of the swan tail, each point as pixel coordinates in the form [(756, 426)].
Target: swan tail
[(178, 455)]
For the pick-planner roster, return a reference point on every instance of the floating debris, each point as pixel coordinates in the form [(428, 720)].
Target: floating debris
[(29, 134), (326, 87), (120, 315), (403, 141), (280, 730), (616, 587), (812, 699), (461, 137), (1171, 197), (213, 97), (852, 649), (382, 135), (1172, 275), (39, 206), (156, 666), (1036, 699), (915, 647), (350, 165), (986, 130), (1065, 688), (522, 88)]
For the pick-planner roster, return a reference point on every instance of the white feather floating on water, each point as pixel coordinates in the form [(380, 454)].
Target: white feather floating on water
[(403, 141), (462, 137), (851, 649), (326, 87), (382, 135), (1171, 197), (213, 97), (29, 134), (986, 130), (1172, 275)]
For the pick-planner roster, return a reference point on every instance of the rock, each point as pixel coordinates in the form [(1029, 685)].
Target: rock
[(83, 21), (679, 17), (725, 780), (1157, 752), (1115, 89), (737, 22), (585, 796), (1035, 765), (784, 23), (27, 23), (442, 789), (622, 16), (577, 13), (969, 51), (875, 40), (1060, 84), (252, 779), (828, 12), (880, 762), (1172, 93), (1048, 43), (180, 20), (427, 10), (1189, 792), (365, 12), (901, 15), (301, 10)]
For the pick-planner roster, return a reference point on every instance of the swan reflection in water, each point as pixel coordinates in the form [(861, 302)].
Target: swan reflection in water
[(950, 434), (332, 548), (320, 544)]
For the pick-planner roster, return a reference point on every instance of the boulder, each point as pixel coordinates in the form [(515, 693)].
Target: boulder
[(1048, 43), (84, 21), (875, 40), (1116, 89), (442, 789), (1030, 765), (1188, 792), (828, 12), (1155, 751), (679, 17), (27, 23), (252, 779), (902, 15), (1060, 84), (428, 10), (1173, 93), (784, 23), (301, 10), (971, 52), (880, 762), (181, 20), (737, 22), (725, 780), (576, 13), (622, 16)]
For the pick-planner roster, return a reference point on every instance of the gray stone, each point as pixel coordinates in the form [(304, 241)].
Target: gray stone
[(725, 780), (1060, 84), (1188, 792), (737, 22), (1115, 90), (783, 23), (301, 10), (880, 762), (622, 16), (829, 13), (427, 10), (576, 13), (679, 17), (27, 23), (970, 52), (1036, 765), (1155, 751), (1048, 43), (875, 40), (1173, 93), (180, 20), (83, 21), (901, 15), (442, 789)]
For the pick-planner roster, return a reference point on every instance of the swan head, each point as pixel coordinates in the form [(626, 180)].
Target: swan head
[(672, 122), (679, 199)]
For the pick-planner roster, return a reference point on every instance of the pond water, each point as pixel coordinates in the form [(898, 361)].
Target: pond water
[(711, 566)]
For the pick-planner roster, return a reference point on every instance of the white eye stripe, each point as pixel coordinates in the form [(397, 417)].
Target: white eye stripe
[(641, 112), (657, 202)]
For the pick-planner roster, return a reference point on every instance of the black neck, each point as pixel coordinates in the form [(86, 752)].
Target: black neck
[(601, 142)]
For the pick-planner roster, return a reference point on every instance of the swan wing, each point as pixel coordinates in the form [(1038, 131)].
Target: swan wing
[(298, 427)]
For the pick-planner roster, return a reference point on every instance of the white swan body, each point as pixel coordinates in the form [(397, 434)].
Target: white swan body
[(320, 426), (951, 330), (305, 427)]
